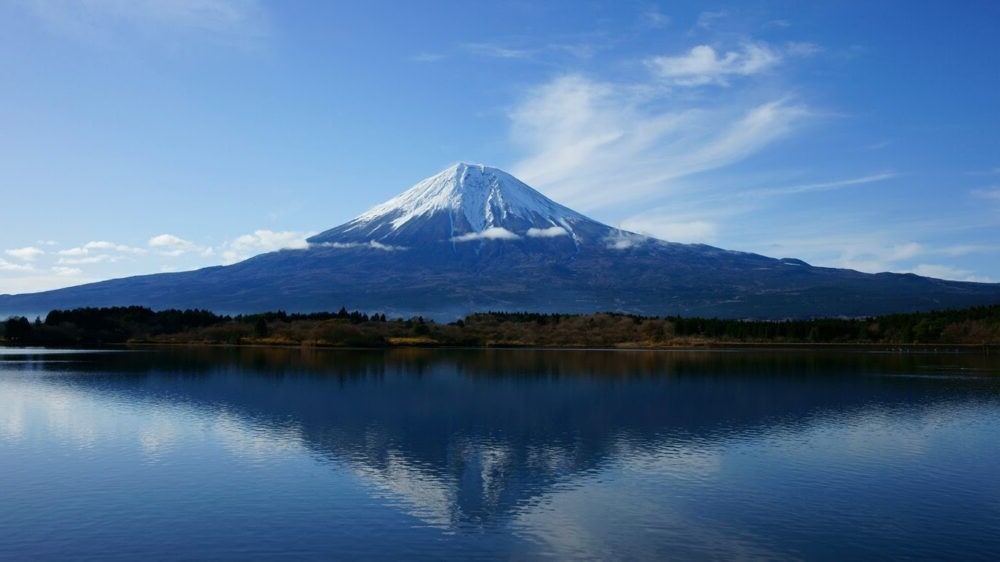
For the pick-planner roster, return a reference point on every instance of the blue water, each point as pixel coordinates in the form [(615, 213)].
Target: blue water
[(409, 454)]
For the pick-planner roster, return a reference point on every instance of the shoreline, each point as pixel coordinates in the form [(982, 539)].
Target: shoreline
[(956, 348)]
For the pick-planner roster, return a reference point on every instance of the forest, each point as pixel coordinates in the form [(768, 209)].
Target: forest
[(140, 325)]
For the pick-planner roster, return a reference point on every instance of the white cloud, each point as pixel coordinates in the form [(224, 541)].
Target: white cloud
[(949, 272), (874, 252), (822, 186), (67, 271), (497, 51), (845, 243), (225, 21), (899, 252), (621, 240), (544, 53), (36, 283), (550, 232), (204, 14), (105, 245), (655, 18), (28, 253), (989, 172), (170, 245), (247, 245), (100, 245), (583, 50), (9, 266), (709, 19), (673, 231), (491, 233), (802, 49), (77, 251), (703, 65), (595, 143), (779, 23), (428, 57), (991, 193), (966, 249), (89, 259), (370, 244), (874, 256)]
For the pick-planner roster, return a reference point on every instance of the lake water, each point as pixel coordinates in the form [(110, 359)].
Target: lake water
[(410, 454)]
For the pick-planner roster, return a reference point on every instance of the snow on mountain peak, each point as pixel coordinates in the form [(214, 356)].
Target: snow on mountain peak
[(465, 203), (486, 197)]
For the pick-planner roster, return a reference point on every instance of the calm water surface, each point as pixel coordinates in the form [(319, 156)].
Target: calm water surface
[(269, 453)]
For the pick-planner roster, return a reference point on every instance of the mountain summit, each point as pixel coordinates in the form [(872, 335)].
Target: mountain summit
[(464, 202), (474, 238)]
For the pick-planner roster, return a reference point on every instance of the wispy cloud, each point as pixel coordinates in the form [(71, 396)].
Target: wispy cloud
[(89, 260), (9, 266), (101, 246), (967, 249), (67, 271), (111, 246), (496, 50), (97, 251), (889, 247), (988, 172), (701, 219), (229, 21), (710, 19), (260, 241), (655, 19), (428, 57), (28, 253), (949, 272), (35, 281), (870, 252), (538, 53), (674, 231), (991, 193), (703, 64), (596, 143), (821, 186), (778, 23)]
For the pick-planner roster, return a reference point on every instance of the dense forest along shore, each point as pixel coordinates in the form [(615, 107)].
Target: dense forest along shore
[(978, 326)]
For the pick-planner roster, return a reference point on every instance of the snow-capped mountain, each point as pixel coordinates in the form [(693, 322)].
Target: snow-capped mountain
[(474, 238), (463, 203)]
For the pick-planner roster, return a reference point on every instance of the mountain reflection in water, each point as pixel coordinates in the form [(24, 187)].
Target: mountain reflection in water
[(567, 453)]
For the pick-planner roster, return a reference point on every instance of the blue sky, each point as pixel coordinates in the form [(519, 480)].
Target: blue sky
[(139, 136)]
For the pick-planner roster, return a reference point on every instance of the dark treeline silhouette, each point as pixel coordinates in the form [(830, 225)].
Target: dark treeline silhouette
[(134, 324)]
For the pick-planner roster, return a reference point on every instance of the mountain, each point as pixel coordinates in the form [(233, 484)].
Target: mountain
[(461, 204), (474, 238)]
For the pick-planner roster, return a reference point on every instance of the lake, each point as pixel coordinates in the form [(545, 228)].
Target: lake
[(428, 454)]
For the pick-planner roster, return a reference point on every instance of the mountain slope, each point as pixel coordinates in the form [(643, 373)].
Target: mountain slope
[(474, 238)]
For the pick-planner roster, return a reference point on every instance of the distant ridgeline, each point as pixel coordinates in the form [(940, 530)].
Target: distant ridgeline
[(134, 324)]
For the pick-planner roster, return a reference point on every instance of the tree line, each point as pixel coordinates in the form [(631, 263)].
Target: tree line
[(135, 324)]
